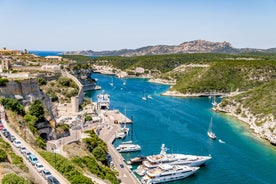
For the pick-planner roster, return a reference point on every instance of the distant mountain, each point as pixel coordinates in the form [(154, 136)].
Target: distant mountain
[(196, 46)]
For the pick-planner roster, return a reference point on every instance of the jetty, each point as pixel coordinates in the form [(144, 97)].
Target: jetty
[(107, 134)]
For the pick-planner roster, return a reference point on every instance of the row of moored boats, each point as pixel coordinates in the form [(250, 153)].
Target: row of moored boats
[(165, 167)]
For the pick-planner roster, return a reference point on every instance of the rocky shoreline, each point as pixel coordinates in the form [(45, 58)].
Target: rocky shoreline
[(264, 130)]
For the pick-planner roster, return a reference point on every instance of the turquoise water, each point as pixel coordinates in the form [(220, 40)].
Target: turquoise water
[(181, 124)]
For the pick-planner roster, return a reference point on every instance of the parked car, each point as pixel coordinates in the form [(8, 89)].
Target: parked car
[(33, 159), (27, 154), (23, 149), (46, 173), (39, 167), (52, 180), (4, 130), (1, 126), (11, 138), (7, 134), (17, 143)]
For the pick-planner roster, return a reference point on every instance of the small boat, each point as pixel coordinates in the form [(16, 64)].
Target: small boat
[(211, 134), (149, 96), (124, 83), (144, 98), (128, 147), (120, 135), (214, 102), (111, 83), (138, 159)]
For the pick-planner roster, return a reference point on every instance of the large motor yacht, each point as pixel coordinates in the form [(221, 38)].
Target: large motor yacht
[(166, 172), (153, 161)]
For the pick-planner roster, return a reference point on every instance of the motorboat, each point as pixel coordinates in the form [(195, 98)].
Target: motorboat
[(128, 147), (120, 135), (138, 159), (154, 161), (184, 159), (166, 173)]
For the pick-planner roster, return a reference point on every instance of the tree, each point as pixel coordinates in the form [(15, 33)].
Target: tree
[(14, 179), (13, 105), (37, 110), (3, 81), (3, 156), (88, 118), (41, 81), (99, 153)]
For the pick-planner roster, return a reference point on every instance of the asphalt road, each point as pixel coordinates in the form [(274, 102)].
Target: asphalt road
[(46, 165)]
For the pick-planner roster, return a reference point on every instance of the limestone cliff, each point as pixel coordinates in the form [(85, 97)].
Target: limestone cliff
[(24, 88)]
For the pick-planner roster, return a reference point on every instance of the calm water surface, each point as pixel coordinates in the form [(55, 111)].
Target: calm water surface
[(181, 124)]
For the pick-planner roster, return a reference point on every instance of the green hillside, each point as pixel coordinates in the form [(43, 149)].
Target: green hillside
[(260, 101)]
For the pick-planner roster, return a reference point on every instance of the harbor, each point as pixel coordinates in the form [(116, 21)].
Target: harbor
[(107, 134), (178, 123)]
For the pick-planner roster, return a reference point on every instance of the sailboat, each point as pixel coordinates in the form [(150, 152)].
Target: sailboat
[(122, 133), (128, 146), (111, 83), (211, 134), (214, 102), (144, 97)]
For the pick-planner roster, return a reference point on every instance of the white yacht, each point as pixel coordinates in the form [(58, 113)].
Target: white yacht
[(103, 101), (154, 161), (120, 135), (128, 147), (166, 172)]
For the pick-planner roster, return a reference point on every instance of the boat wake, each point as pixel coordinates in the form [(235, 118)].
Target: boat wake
[(221, 141)]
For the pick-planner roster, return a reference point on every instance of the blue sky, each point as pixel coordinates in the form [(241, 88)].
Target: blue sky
[(118, 24)]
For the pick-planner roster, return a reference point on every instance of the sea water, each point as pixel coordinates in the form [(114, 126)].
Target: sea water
[(181, 124)]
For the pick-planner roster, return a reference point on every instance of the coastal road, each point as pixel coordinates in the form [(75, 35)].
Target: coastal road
[(108, 135), (46, 165), (38, 178)]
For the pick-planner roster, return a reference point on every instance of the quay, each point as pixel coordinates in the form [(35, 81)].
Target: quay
[(107, 134), (115, 116)]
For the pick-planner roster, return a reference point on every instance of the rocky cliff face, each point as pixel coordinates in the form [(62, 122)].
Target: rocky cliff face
[(23, 88), (196, 46)]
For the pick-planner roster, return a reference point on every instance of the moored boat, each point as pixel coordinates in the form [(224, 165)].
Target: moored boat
[(138, 159), (154, 161), (128, 147), (166, 172)]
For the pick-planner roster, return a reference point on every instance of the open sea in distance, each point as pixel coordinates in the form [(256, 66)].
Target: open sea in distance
[(181, 124)]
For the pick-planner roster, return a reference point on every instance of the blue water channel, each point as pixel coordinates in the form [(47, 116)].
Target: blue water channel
[(181, 124)]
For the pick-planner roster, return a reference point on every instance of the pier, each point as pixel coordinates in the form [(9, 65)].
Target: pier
[(107, 134)]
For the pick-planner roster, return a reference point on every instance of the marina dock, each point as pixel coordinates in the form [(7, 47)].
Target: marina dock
[(107, 134), (117, 117)]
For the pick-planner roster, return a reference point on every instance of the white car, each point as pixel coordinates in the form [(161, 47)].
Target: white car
[(39, 167), (27, 154), (23, 149), (17, 143), (46, 173)]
